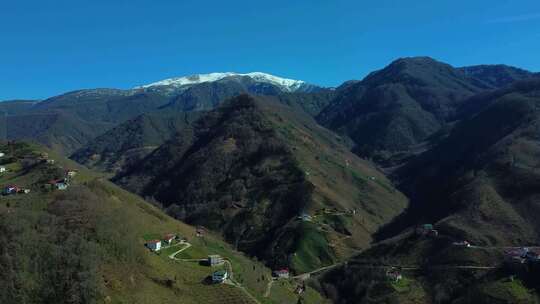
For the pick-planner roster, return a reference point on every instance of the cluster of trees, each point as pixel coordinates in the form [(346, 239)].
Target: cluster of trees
[(50, 255)]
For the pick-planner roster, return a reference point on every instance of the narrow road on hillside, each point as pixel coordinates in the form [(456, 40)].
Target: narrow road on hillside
[(173, 255), (419, 267), (268, 288), (237, 284), (503, 247), (306, 275)]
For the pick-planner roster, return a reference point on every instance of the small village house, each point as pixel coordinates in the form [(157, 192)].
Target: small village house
[(516, 253), (2, 154), (168, 238), (462, 244), (24, 191), (59, 184), (154, 245), (515, 261), (220, 276), (2, 169), (305, 217), (394, 275), (10, 189), (71, 173), (426, 230), (214, 260), (281, 273), (533, 255)]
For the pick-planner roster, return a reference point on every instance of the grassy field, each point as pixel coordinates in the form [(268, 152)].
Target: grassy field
[(312, 249), (506, 290)]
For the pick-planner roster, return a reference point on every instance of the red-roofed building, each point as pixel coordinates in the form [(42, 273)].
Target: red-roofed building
[(59, 184), (168, 238), (282, 273)]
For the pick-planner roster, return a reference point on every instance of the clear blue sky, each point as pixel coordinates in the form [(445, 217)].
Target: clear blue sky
[(50, 47)]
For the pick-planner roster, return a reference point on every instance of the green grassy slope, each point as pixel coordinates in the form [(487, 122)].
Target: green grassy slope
[(86, 245)]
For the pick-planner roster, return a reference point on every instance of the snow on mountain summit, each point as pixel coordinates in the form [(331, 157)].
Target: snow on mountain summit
[(288, 85)]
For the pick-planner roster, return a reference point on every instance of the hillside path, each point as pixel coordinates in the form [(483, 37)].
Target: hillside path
[(268, 288), (173, 255)]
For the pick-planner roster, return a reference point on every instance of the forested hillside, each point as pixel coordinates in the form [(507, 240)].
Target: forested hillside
[(252, 168), (86, 244)]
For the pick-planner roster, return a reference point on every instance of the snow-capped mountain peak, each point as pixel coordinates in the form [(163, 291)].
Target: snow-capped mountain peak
[(288, 85)]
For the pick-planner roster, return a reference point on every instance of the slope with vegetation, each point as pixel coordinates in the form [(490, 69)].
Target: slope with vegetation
[(497, 75), (252, 167), (392, 111), (482, 180), (479, 184), (129, 142), (86, 244)]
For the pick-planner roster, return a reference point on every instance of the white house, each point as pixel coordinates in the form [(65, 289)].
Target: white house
[(2, 154), (282, 273), (219, 276), (214, 260), (462, 243), (154, 245), (305, 217), (2, 169), (394, 275)]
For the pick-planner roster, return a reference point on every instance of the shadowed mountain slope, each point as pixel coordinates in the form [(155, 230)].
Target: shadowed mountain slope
[(400, 106), (482, 181), (252, 167), (497, 75), (132, 140)]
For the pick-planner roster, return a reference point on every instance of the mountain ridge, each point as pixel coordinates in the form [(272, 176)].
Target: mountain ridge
[(285, 84)]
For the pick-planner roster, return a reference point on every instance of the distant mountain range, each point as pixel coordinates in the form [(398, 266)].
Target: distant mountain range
[(306, 177), (105, 108)]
